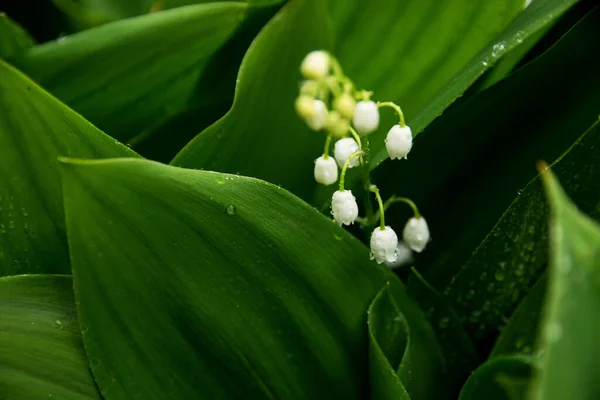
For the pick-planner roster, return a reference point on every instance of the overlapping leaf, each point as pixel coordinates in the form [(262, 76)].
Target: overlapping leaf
[(35, 129), (13, 38), (569, 344), (188, 281), (42, 354)]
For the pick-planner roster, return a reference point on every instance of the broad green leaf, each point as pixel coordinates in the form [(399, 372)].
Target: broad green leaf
[(537, 16), (261, 135), (569, 343), (459, 353), (42, 354), (574, 106), (35, 129), (502, 378), (88, 13), (399, 60), (13, 38), (131, 74), (519, 335), (404, 357), (192, 282)]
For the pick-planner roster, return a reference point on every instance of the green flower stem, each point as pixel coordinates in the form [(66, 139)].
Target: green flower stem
[(345, 168), (393, 200), (395, 107), (327, 146), (358, 141), (374, 189), (367, 177)]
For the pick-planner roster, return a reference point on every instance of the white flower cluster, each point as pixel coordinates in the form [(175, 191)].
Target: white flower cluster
[(352, 114)]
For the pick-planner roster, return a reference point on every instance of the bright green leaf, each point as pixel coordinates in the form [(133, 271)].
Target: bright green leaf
[(538, 15), (42, 354), (193, 281), (520, 333), (404, 357), (503, 378), (569, 343), (131, 74), (13, 38), (35, 129)]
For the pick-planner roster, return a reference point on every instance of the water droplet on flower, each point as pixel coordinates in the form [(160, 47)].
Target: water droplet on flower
[(231, 209)]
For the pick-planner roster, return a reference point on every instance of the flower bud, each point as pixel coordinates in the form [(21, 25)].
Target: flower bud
[(305, 106), (398, 142), (345, 105), (315, 65), (326, 170), (416, 234), (337, 125), (404, 256), (343, 207), (366, 117), (383, 245), (342, 150), (309, 88), (319, 118)]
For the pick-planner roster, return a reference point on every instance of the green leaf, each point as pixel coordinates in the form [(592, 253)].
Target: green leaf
[(520, 334), (88, 13), (401, 60), (459, 353), (191, 280), (537, 16), (261, 133), (569, 340), (131, 74), (502, 378), (42, 354), (13, 38), (35, 129), (404, 357), (518, 254)]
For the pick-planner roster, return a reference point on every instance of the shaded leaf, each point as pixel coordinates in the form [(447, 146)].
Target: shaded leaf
[(170, 265), (13, 38), (520, 333), (568, 343), (42, 354), (502, 378), (88, 13), (128, 75), (35, 129)]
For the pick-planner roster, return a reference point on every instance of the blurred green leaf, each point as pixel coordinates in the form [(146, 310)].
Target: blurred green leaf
[(253, 137), (515, 250), (172, 265), (42, 354), (569, 343), (88, 13), (520, 333), (502, 378), (537, 16), (13, 38), (404, 357), (35, 129), (459, 353), (131, 74)]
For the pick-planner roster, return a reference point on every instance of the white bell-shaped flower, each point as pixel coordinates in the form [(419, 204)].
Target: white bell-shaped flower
[(326, 170), (366, 117), (404, 256), (319, 116), (343, 207), (383, 245), (342, 150), (398, 142), (315, 65), (416, 234)]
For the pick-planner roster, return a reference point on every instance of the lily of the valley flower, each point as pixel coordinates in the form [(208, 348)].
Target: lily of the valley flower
[(345, 105), (326, 170), (319, 116), (416, 234), (343, 207), (366, 117), (342, 150), (398, 142), (337, 125), (404, 256), (315, 65), (383, 245)]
